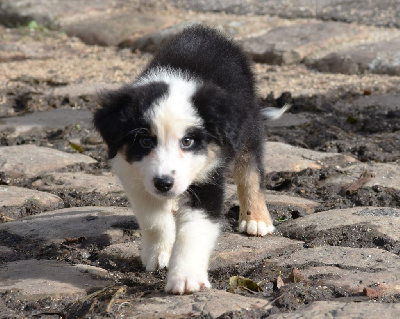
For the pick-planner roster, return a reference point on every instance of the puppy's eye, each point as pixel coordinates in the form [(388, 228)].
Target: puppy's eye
[(146, 142), (187, 142)]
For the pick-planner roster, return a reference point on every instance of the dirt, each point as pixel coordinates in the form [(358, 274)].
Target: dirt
[(328, 128)]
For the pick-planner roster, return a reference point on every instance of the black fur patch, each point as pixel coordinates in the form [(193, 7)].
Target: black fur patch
[(209, 196), (222, 119), (120, 120)]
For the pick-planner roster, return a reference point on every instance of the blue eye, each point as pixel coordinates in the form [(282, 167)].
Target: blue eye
[(187, 142), (146, 142)]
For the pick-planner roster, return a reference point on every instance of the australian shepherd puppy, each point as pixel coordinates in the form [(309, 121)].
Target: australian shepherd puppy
[(172, 135)]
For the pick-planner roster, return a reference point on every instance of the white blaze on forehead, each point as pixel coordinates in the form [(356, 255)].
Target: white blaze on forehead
[(174, 113), (170, 117)]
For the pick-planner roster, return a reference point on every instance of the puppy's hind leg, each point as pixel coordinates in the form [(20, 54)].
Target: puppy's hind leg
[(254, 218)]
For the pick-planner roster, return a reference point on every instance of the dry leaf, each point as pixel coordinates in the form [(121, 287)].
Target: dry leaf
[(243, 283)]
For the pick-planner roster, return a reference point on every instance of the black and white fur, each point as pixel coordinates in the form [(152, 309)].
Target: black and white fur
[(171, 136)]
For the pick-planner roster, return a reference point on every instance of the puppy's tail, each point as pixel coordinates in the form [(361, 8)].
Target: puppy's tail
[(273, 113)]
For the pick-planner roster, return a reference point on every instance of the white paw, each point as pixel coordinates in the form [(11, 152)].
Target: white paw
[(180, 283), (255, 228), (157, 260)]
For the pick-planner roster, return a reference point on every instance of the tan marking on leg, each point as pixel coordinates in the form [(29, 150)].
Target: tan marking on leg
[(253, 210)]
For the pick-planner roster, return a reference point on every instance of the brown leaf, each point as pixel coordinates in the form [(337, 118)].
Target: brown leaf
[(279, 282), (353, 187)]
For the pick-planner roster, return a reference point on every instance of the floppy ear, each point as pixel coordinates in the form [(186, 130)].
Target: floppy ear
[(111, 119), (222, 117), (122, 111)]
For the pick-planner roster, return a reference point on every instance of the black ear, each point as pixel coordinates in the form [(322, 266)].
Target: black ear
[(111, 119), (221, 114), (122, 111)]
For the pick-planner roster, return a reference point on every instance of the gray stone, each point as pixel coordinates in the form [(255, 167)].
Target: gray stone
[(80, 181), (385, 175), (35, 279), (235, 27), (235, 248), (117, 29), (30, 160), (54, 119), (337, 309), (12, 196), (381, 13), (287, 120), (231, 248), (151, 42), (82, 90), (386, 102), (378, 57), (291, 44), (280, 157), (386, 224), (352, 269), (55, 226), (48, 13), (209, 304)]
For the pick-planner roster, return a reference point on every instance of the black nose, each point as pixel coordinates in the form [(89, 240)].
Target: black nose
[(163, 183)]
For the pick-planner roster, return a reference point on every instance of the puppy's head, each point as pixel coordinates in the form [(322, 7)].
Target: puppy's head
[(167, 131)]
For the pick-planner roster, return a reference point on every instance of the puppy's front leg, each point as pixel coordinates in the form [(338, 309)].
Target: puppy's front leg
[(197, 230), (158, 234), (195, 238), (155, 218)]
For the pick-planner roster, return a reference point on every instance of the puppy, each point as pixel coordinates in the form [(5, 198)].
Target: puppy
[(171, 136)]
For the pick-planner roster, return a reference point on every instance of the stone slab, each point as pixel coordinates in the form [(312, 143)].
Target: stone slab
[(384, 221), (31, 160), (288, 120), (377, 57), (209, 304), (34, 279), (15, 51), (82, 89), (48, 13), (386, 102), (53, 119), (12, 196), (235, 248), (385, 175), (235, 27), (80, 181), (280, 157), (117, 28), (353, 269), (230, 249), (55, 226), (291, 44), (380, 13), (337, 309)]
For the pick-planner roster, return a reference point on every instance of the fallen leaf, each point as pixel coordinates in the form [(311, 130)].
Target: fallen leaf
[(279, 282), (76, 147), (243, 283), (351, 188)]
